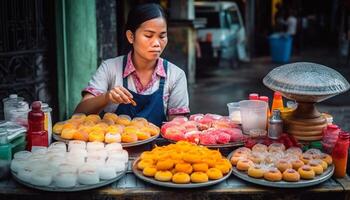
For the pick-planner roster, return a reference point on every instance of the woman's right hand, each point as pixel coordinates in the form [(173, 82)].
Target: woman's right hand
[(119, 95)]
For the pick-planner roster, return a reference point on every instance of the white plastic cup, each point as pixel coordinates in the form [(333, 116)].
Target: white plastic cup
[(234, 112), (253, 114)]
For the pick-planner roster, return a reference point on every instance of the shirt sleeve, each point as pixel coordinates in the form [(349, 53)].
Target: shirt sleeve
[(98, 84), (178, 97)]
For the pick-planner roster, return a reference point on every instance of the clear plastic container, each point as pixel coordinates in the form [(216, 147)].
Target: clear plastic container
[(234, 112), (10, 104), (253, 114), (19, 114)]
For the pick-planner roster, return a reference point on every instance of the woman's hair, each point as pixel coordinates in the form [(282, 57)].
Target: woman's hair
[(138, 15)]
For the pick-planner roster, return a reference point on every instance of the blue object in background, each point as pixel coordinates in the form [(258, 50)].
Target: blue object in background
[(280, 47)]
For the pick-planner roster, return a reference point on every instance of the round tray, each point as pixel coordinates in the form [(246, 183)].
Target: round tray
[(214, 146), (78, 187), (131, 144), (139, 174), (284, 184)]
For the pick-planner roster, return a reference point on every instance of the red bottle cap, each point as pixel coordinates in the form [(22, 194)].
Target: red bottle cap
[(36, 105), (264, 98), (277, 95), (253, 96), (332, 126), (344, 135)]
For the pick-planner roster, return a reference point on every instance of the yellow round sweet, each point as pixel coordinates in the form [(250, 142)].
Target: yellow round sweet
[(57, 128), (129, 137), (199, 177), (96, 136), (82, 135), (111, 116), (184, 167), (214, 173), (79, 116), (147, 155), (191, 157), (145, 163), (163, 176), (151, 128), (123, 121), (115, 129), (167, 164), (181, 178), (209, 161), (68, 133), (149, 171), (200, 167), (130, 129), (141, 135), (93, 118)]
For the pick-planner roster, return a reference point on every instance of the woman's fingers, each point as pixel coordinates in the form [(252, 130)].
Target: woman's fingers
[(115, 97), (120, 95), (125, 91)]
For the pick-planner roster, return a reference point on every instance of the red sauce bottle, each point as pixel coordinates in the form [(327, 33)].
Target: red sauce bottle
[(340, 154), (37, 135)]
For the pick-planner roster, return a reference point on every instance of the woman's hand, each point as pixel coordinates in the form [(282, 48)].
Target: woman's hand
[(119, 95)]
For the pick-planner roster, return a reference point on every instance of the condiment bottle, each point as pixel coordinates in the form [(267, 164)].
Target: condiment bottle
[(340, 154), (275, 127), (277, 102), (5, 154), (37, 135), (10, 104), (330, 137), (253, 96)]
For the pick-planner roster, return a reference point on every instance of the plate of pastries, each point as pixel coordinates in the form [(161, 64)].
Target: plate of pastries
[(276, 166), (111, 128), (182, 165)]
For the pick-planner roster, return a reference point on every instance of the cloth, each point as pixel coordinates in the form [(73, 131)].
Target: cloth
[(292, 25)]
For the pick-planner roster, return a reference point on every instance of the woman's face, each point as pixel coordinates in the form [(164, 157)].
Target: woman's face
[(150, 39)]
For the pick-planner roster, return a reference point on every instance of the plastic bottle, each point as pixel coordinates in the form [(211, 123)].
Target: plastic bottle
[(5, 154), (37, 135), (266, 99), (19, 114), (277, 102), (48, 121), (253, 96), (340, 154), (10, 104)]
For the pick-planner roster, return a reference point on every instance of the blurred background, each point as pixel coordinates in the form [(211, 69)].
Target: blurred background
[(50, 49)]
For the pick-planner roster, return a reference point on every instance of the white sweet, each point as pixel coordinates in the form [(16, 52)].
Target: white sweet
[(65, 179), (77, 151), (88, 175), (76, 144), (18, 164), (55, 162), (39, 150), (25, 174), (113, 146), (93, 146), (95, 160), (107, 172), (76, 160), (22, 154), (66, 167), (119, 155), (58, 145), (98, 153), (41, 177), (118, 165), (113, 137)]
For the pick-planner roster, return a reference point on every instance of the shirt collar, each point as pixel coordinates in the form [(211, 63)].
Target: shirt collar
[(130, 68)]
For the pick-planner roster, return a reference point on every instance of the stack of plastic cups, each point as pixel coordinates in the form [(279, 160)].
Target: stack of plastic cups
[(330, 136)]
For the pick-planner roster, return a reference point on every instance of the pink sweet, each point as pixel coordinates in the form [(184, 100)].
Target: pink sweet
[(207, 139), (222, 138), (193, 136), (190, 126), (196, 117)]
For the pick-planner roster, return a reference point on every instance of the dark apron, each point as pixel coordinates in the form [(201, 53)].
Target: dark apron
[(150, 106)]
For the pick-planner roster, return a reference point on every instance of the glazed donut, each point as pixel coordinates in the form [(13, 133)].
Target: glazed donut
[(214, 173), (321, 162), (317, 167), (244, 149), (184, 167), (240, 152), (306, 158), (259, 148), (315, 153), (276, 147), (294, 150), (297, 164), (235, 159), (181, 178), (149, 171), (244, 164), (163, 165), (282, 165), (199, 177), (256, 158), (273, 174), (291, 175), (256, 172), (200, 167), (327, 158), (306, 172), (163, 175)]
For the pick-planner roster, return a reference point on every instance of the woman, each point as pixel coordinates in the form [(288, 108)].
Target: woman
[(139, 84)]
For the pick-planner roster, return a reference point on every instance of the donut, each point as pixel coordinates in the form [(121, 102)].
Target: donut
[(200, 167), (273, 174), (235, 159), (276, 147), (184, 167), (149, 171), (306, 158), (306, 172), (214, 173), (321, 162), (327, 158), (256, 158), (243, 165), (316, 166), (291, 175), (163, 176), (315, 153), (181, 178), (259, 148), (256, 172), (241, 152), (294, 150), (163, 165), (199, 177), (297, 164), (282, 165)]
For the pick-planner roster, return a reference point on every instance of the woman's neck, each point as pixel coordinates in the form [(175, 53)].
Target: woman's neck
[(142, 64)]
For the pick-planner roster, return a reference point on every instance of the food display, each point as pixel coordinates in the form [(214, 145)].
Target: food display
[(183, 164), (80, 167), (280, 166), (209, 129), (110, 129)]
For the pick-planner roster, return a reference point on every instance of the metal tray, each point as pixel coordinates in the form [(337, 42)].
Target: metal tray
[(78, 187), (284, 184), (139, 174), (214, 146), (131, 144)]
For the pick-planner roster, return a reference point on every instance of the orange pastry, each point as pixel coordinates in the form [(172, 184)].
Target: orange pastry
[(214, 174), (200, 167), (151, 128), (273, 175), (199, 177), (147, 155), (163, 176), (282, 165), (123, 120), (68, 133), (163, 165), (191, 157), (108, 121), (256, 171), (327, 158), (306, 158), (149, 171), (81, 135), (297, 164), (316, 166), (244, 164), (96, 136), (181, 178), (68, 125), (142, 164), (115, 129), (111, 116), (320, 162), (184, 167), (57, 128), (93, 118), (306, 172), (210, 162), (129, 137), (79, 116), (141, 135), (291, 175)]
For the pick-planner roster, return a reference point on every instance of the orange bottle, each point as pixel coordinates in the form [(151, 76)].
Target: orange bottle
[(340, 154), (277, 102)]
